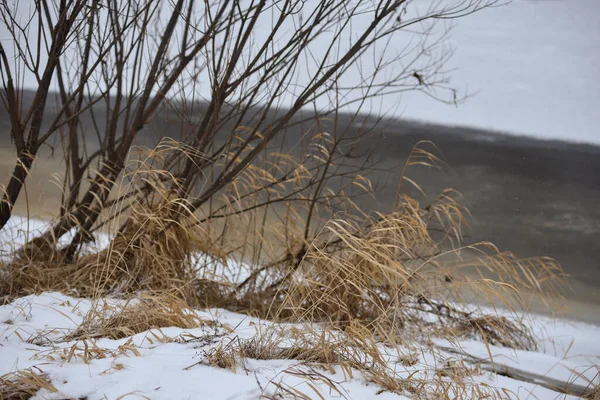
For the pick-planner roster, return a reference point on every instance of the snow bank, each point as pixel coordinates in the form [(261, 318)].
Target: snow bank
[(174, 367), (171, 363), (19, 230)]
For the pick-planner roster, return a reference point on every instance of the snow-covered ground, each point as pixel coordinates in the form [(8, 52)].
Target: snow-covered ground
[(19, 230), (171, 363)]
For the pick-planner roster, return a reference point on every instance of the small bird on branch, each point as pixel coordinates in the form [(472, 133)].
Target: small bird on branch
[(419, 78)]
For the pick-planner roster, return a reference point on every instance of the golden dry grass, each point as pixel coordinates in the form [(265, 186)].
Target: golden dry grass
[(368, 278), (354, 351), (24, 384), (141, 314), (86, 350)]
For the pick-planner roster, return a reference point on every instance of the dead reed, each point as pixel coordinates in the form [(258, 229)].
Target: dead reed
[(307, 254), (24, 384)]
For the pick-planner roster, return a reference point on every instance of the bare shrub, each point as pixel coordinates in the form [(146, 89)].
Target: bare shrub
[(118, 67)]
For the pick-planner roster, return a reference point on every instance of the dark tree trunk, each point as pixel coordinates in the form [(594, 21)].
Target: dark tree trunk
[(15, 185)]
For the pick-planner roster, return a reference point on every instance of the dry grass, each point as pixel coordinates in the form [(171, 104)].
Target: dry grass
[(86, 350), (367, 278), (324, 347), (24, 384), (152, 250), (135, 316), (389, 277), (352, 350), (592, 389), (312, 377), (595, 395), (356, 352)]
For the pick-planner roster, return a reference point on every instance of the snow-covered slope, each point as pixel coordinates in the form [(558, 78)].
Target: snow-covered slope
[(171, 363)]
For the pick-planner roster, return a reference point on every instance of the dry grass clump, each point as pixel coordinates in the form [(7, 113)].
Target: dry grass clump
[(24, 384), (138, 315), (446, 320), (313, 379), (389, 273), (366, 278), (351, 269), (86, 350), (595, 394), (151, 251), (497, 330), (317, 346), (356, 352), (592, 389), (22, 277), (352, 350)]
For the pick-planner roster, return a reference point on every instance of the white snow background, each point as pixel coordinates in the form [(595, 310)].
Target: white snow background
[(533, 66)]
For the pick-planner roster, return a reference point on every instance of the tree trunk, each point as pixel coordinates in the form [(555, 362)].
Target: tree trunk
[(17, 180)]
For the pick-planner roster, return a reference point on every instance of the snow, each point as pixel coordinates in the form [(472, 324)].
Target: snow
[(532, 67), (163, 370), (174, 367), (19, 230), (172, 363)]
